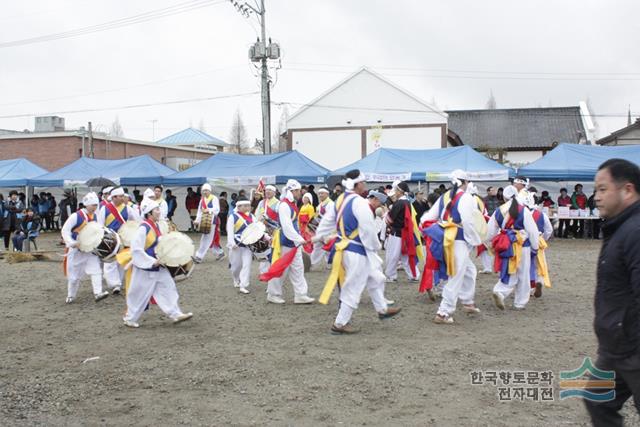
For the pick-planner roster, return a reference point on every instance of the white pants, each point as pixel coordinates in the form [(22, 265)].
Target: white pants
[(319, 254), (462, 285), (487, 261), (113, 274), (359, 274), (240, 263), (520, 281), (146, 284), (393, 255), (79, 265), (296, 274), (205, 244)]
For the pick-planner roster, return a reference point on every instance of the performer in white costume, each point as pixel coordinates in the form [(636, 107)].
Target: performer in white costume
[(208, 203), (240, 256)]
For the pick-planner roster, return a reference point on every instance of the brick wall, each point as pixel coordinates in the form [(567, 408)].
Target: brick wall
[(54, 153)]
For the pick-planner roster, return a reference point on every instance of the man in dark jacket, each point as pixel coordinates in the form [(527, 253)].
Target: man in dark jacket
[(617, 298)]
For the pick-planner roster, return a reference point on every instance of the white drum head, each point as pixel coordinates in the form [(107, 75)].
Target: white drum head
[(127, 232), (90, 236), (252, 233), (175, 249)]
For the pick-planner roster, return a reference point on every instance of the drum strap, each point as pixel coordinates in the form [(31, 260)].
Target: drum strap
[(204, 204), (113, 210), (149, 242)]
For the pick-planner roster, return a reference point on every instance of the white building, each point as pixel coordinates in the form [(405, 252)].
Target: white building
[(360, 114)]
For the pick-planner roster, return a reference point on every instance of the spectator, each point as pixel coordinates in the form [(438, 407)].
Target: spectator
[(191, 203), (242, 193), (578, 201), (224, 212), (234, 199), (499, 195), (255, 200), (137, 197), (4, 215), (311, 190), (491, 202), (33, 203), (617, 313), (565, 224), (337, 191), (546, 200), (68, 205), (442, 189), (172, 204), (52, 211), (26, 228), (420, 205), (14, 208)]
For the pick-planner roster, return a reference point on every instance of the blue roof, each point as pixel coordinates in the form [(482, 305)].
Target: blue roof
[(572, 162), (16, 172), (191, 136), (140, 170), (246, 170), (387, 164)]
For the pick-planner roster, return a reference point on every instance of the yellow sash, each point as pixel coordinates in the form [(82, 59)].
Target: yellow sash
[(541, 261), (450, 233), (124, 258), (417, 236), (276, 250), (514, 261)]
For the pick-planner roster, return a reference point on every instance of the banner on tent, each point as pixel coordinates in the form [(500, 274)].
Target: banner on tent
[(242, 180), (473, 176), (383, 177)]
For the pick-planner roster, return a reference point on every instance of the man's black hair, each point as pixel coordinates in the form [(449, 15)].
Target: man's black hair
[(623, 171)]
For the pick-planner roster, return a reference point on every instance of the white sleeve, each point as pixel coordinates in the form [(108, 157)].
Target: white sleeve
[(548, 228), (67, 229), (366, 225), (493, 228), (215, 209), (284, 215), (140, 258), (199, 214), (132, 214), (327, 225), (466, 206), (531, 228), (164, 210), (102, 215), (230, 229)]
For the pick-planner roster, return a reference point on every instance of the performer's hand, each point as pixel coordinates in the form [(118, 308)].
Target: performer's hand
[(156, 264)]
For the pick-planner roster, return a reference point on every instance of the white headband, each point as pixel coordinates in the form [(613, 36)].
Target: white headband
[(323, 190), (270, 188), (119, 191), (457, 176), (242, 202), (521, 181), (350, 183)]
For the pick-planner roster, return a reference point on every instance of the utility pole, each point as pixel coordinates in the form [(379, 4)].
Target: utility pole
[(153, 126), (91, 153), (262, 52)]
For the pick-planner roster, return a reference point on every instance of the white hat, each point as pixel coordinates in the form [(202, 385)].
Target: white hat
[(243, 202), (509, 192), (307, 196), (148, 193), (472, 189), (206, 186), (324, 190), (270, 188), (118, 191), (457, 176), (292, 184), (148, 205), (90, 199), (350, 183)]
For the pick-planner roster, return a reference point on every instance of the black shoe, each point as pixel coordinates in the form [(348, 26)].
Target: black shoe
[(391, 311)]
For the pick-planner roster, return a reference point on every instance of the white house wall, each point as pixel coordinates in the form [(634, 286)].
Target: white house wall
[(331, 149), (521, 158), (365, 100), (407, 138)]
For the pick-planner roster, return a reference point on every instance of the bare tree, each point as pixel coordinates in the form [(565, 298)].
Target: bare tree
[(491, 102), (116, 128), (238, 137), (282, 128)]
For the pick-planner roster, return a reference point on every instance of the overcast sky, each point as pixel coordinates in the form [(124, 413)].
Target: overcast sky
[(536, 53)]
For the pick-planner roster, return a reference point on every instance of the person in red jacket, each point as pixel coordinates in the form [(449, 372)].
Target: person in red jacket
[(565, 224), (578, 201)]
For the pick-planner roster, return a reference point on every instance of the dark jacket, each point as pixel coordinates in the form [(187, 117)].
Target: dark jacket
[(617, 299)]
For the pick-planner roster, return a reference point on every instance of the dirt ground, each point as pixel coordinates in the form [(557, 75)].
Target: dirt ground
[(241, 361)]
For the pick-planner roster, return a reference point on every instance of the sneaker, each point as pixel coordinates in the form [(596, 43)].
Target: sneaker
[(485, 271), (470, 308), (116, 290), (130, 324), (182, 317), (498, 300), (443, 320), (538, 291), (220, 256), (389, 301), (391, 280), (392, 311), (414, 280), (69, 300), (343, 330), (303, 299), (275, 299), (518, 308), (431, 294), (101, 296), (244, 291), (196, 259), (236, 284)]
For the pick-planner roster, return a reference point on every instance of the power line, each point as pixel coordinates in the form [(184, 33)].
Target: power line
[(126, 107), (122, 22), (151, 83)]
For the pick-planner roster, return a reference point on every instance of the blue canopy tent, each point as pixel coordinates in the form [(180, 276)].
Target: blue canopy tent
[(140, 170), (16, 172), (573, 162), (237, 169), (386, 164)]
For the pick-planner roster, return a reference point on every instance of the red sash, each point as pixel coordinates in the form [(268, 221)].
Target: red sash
[(114, 211), (153, 226), (273, 215), (408, 246)]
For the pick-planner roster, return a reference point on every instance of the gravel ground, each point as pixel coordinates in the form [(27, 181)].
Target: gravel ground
[(241, 361)]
